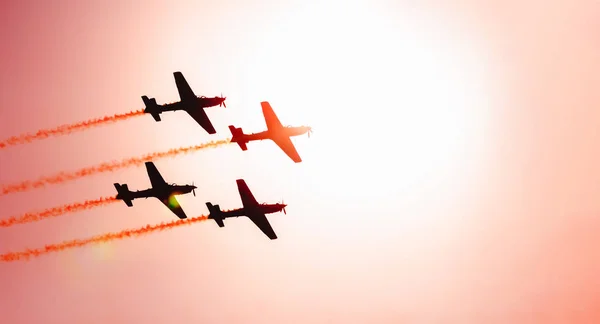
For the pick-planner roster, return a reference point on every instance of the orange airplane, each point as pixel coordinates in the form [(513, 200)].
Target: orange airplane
[(275, 131)]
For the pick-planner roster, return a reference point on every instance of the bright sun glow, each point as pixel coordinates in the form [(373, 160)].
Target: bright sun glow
[(389, 94)]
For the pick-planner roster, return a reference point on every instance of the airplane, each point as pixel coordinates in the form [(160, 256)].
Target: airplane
[(189, 103), (162, 190), (251, 209), (275, 131)]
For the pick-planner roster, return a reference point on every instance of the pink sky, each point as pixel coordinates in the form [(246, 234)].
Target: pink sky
[(452, 176)]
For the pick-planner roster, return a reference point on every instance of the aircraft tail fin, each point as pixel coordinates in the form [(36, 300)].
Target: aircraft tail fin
[(215, 213), (237, 135), (151, 107), (124, 194)]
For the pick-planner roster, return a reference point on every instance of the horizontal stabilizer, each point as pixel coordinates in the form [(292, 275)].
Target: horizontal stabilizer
[(124, 194), (156, 116), (151, 107), (243, 146), (215, 213), (219, 222), (237, 135)]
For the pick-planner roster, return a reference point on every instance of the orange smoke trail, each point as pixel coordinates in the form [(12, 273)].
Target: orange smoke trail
[(67, 129), (26, 254), (105, 167), (56, 211)]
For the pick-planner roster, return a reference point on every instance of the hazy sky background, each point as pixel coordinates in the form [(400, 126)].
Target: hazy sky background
[(452, 177)]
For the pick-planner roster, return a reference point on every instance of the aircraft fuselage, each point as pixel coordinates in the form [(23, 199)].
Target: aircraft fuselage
[(263, 209), (270, 134), (198, 103), (162, 191)]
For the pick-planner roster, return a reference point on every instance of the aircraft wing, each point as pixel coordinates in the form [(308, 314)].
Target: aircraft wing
[(201, 118), (246, 195), (270, 117), (185, 92), (155, 178), (260, 220), (172, 203), (286, 145)]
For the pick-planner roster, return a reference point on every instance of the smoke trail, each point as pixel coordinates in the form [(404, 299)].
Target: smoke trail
[(67, 129), (28, 253), (56, 211), (105, 167)]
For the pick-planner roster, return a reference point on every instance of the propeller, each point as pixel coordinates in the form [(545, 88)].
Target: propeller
[(283, 203), (223, 102), (309, 131), (194, 190)]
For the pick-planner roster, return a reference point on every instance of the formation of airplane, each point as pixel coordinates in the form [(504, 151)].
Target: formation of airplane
[(189, 103), (275, 131), (251, 209), (194, 106), (160, 189)]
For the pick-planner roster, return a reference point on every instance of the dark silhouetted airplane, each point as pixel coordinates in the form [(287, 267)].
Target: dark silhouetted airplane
[(189, 103), (275, 131), (251, 209), (160, 189)]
